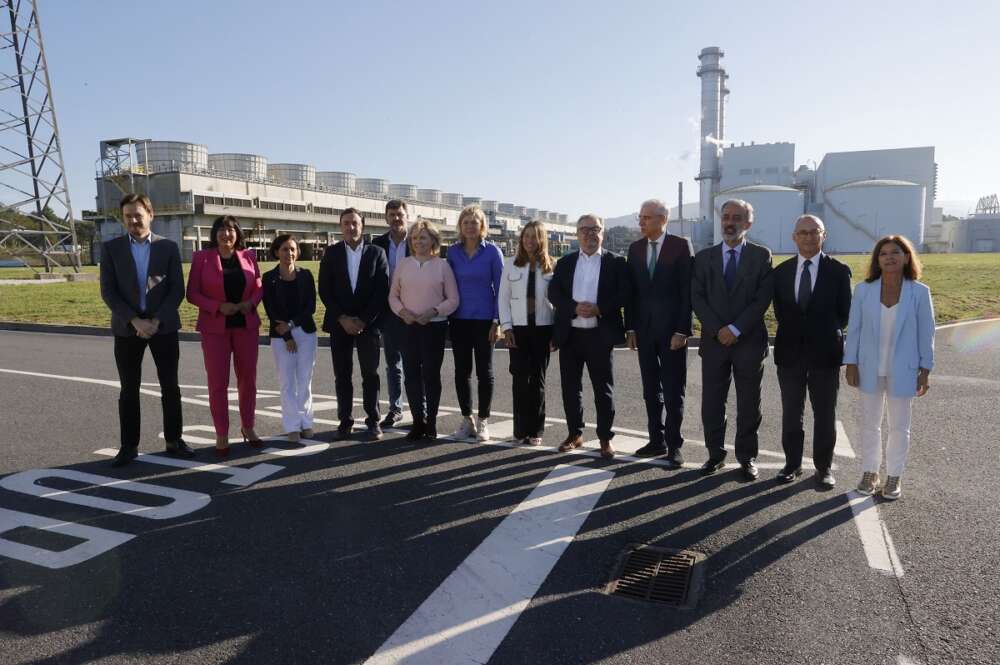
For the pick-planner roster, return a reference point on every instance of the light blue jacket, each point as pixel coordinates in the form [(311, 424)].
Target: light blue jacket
[(913, 338)]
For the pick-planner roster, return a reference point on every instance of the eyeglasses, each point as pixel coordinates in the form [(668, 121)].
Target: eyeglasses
[(805, 234), (589, 230)]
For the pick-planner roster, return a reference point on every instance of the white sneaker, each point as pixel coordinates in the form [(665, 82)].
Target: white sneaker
[(868, 484), (483, 429), (466, 431), (893, 488)]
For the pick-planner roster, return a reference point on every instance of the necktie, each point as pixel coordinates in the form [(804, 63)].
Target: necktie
[(805, 286), (730, 273), (652, 259)]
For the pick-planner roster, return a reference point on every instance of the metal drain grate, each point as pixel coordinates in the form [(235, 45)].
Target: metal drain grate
[(658, 575)]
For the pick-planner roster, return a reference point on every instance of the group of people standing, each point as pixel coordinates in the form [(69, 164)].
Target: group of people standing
[(397, 295)]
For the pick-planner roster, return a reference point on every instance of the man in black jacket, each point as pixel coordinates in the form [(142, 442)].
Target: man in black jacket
[(589, 287), (143, 286), (730, 291), (658, 323), (354, 286), (812, 301), (393, 331)]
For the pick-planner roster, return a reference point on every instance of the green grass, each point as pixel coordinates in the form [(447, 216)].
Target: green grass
[(964, 286)]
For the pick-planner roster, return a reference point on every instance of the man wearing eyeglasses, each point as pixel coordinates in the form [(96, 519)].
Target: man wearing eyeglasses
[(588, 290), (812, 301)]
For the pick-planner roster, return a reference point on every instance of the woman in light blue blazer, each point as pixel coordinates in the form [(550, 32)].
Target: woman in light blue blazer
[(889, 355)]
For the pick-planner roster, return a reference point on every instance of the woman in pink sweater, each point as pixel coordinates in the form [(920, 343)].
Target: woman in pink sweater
[(423, 293)]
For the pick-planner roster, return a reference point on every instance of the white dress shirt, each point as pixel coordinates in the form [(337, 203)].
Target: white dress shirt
[(353, 263), (585, 280), (813, 270)]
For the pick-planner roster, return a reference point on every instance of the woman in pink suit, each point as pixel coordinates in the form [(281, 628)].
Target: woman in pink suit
[(225, 285)]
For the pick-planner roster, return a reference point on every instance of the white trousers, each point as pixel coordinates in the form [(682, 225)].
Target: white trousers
[(870, 425), (295, 371)]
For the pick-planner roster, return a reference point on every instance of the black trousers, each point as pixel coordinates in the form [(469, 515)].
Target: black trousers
[(664, 380), (470, 339), (342, 348), (823, 384), (742, 363), (423, 354), (129, 352), (585, 347), (528, 364)]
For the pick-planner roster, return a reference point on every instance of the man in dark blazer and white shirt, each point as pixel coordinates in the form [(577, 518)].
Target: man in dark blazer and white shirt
[(812, 301), (730, 291), (354, 286), (393, 331), (589, 287), (658, 323), (143, 286)]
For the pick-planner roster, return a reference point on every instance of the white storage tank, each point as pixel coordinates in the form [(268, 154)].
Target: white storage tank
[(471, 201), (506, 208), (239, 163), (519, 211), (296, 175), (452, 199), (429, 195), (541, 215), (373, 186), (488, 206), (775, 209), (553, 217), (398, 191), (859, 213), (172, 155), (336, 180), (531, 214), (563, 218)]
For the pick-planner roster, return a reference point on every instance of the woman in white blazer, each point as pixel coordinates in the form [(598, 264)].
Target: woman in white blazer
[(889, 356), (526, 321)]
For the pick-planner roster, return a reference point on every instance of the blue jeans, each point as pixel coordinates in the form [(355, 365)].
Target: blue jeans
[(393, 339)]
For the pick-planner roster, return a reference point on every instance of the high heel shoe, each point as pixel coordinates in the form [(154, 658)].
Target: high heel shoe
[(252, 438), (221, 447)]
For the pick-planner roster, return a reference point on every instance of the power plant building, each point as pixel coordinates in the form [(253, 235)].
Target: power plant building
[(190, 188)]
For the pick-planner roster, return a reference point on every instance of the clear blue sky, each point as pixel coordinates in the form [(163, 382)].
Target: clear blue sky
[(568, 106)]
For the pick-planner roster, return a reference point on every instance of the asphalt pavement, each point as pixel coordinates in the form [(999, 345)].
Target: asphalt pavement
[(453, 552)]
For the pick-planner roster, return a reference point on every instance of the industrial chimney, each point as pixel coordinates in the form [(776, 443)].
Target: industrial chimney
[(713, 95)]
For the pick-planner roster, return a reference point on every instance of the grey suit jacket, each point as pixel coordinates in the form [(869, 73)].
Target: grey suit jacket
[(744, 307), (164, 284)]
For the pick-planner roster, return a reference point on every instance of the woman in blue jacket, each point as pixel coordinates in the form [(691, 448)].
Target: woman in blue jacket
[(889, 355)]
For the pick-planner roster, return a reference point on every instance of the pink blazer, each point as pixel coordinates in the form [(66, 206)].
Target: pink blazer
[(206, 291)]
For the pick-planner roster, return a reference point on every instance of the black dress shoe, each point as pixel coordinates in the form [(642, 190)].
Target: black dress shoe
[(825, 479), (674, 460), (431, 430), (712, 465), (124, 456), (417, 431), (391, 419), (750, 470), (651, 450), (788, 474), (373, 433), (343, 431), (180, 449)]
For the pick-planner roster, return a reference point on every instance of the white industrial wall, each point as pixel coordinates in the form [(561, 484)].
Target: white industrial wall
[(775, 211), (758, 164), (859, 214)]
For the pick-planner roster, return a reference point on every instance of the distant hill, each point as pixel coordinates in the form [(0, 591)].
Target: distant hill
[(690, 210)]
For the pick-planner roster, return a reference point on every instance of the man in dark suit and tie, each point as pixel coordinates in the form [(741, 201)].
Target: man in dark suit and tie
[(354, 286), (812, 301), (730, 291), (658, 323), (589, 287), (143, 286), (393, 331)]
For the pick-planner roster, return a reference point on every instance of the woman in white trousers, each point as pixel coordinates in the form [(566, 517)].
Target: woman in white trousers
[(889, 357), (290, 302)]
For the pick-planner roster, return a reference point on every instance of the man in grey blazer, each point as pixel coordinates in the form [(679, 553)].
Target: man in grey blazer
[(731, 289), (143, 285)]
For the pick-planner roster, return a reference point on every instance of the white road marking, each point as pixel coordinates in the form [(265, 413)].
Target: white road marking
[(238, 475), (96, 541), (467, 617), (875, 538), (843, 445)]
